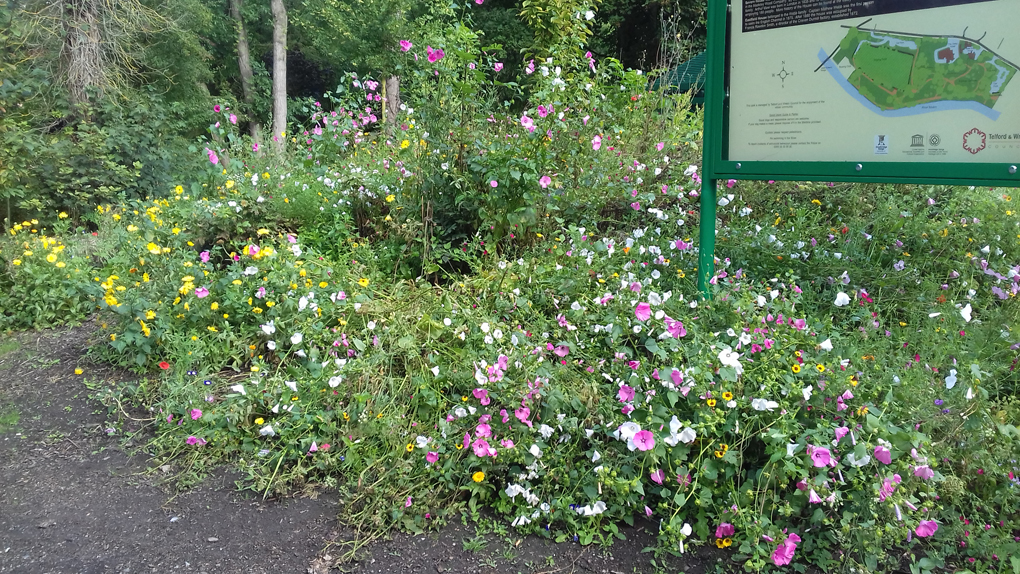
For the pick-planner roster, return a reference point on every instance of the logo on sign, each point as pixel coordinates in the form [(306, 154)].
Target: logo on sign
[(917, 140), (881, 145), (974, 141), (934, 140)]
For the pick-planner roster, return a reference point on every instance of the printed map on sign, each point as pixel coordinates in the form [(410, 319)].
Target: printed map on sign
[(900, 73)]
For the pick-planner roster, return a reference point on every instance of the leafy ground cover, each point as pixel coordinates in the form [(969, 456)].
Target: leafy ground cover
[(486, 308)]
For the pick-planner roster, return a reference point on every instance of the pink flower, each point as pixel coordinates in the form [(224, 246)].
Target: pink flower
[(545, 181), (643, 311), (882, 455), (483, 430), (783, 554), (648, 512), (493, 184), (216, 108), (731, 183), (841, 432), (507, 443), (196, 414), (813, 497), (658, 476), (625, 394), (408, 502), (434, 55), (724, 529), (820, 457), (467, 440), (596, 143), (522, 415), (561, 351), (660, 145), (924, 472), (644, 440), (432, 457), (926, 528), (499, 65), (542, 112), (528, 123), (213, 158), (233, 119), (530, 68), (194, 440), (201, 292), (405, 45), (313, 448), (674, 328), (255, 147), (204, 256), (635, 206), (482, 395), (482, 448), (506, 417)]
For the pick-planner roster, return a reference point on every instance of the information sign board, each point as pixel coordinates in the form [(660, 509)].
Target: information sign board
[(900, 91)]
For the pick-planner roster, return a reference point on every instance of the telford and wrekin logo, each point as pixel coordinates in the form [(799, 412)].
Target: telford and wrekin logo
[(974, 141)]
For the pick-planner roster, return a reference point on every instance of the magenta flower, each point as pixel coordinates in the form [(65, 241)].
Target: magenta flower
[(254, 147), (596, 143), (196, 414), (530, 68), (626, 394), (408, 502), (658, 476), (544, 181), (674, 328), (724, 529), (882, 455), (644, 440), (783, 554), (926, 528), (820, 457), (216, 108), (841, 432), (643, 311), (405, 45), (493, 183), (432, 457), (499, 65), (635, 206), (522, 415), (194, 440), (660, 145), (481, 447), (467, 440), (233, 119), (434, 55), (924, 472), (483, 430), (213, 158), (528, 123), (813, 497), (204, 256), (201, 292), (542, 112)]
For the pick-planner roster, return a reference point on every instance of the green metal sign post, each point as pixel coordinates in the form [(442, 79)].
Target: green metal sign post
[(888, 91)]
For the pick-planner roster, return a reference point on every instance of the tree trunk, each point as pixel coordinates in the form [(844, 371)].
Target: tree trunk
[(279, 74), (244, 64), (82, 57), (392, 102)]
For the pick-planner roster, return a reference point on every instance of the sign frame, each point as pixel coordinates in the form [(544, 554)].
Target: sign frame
[(716, 164)]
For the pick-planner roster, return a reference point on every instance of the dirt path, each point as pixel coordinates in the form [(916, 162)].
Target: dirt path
[(72, 500)]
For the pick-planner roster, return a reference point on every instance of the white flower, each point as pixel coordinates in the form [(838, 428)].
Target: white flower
[(296, 339), (842, 299), (535, 451), (484, 327), (271, 345), (589, 15), (498, 334), (596, 457), (966, 313), (520, 521), (251, 270), (858, 462), (447, 321), (792, 448), (626, 433), (292, 385), (295, 250), (267, 431), (764, 405), (269, 328), (951, 379), (806, 391), (238, 389), (546, 431), (371, 325), (302, 303), (970, 393), (334, 382), (731, 359), (592, 510), (686, 531), (435, 371), (826, 345), (421, 441)]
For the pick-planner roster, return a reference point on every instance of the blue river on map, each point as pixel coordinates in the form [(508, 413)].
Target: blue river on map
[(914, 111)]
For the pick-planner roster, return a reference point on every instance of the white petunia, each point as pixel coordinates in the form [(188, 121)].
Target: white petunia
[(535, 451), (951, 379), (271, 345), (334, 382), (826, 345), (296, 339), (269, 328), (267, 431), (791, 448), (238, 389), (966, 313), (292, 385), (595, 457), (764, 405), (806, 391), (842, 299)]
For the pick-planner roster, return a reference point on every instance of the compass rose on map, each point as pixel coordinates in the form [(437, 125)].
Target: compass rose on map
[(782, 74)]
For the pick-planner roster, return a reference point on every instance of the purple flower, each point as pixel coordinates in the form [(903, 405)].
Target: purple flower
[(405, 45), (926, 528), (626, 394), (724, 529), (432, 457), (643, 311), (644, 440), (196, 414), (924, 472), (883, 455), (820, 457), (783, 554)]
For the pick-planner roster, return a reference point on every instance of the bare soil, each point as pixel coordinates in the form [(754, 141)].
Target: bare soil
[(77, 498)]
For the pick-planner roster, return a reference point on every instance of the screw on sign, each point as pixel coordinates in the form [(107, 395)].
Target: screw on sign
[(974, 141)]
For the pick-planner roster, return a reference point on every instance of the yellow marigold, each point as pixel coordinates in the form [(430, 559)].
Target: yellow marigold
[(214, 306), (62, 215), (16, 262), (230, 183), (78, 371), (259, 421), (363, 282), (213, 329), (404, 144), (478, 476), (323, 284), (52, 257), (61, 264), (390, 198)]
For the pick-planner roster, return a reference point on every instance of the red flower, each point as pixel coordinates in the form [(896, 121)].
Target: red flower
[(164, 365)]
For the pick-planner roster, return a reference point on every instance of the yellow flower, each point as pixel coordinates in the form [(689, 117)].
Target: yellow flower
[(175, 230), (62, 215), (255, 368), (816, 202), (61, 264), (214, 306), (265, 175), (727, 542), (178, 190), (409, 447), (404, 144), (719, 454), (710, 402), (213, 329), (131, 228), (230, 183), (347, 417), (390, 198), (113, 336), (323, 284), (263, 231), (16, 262), (795, 369), (478, 476), (150, 315), (153, 248), (820, 367), (259, 421), (270, 303), (363, 282), (727, 396), (78, 371), (52, 257)]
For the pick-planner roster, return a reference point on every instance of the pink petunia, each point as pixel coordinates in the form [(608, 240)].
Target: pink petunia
[(813, 497), (432, 457), (924, 472), (216, 108), (498, 67), (482, 395), (674, 328), (494, 184), (643, 311), (233, 119), (483, 430), (820, 457), (204, 256), (561, 351), (658, 476), (544, 181), (196, 414), (201, 292), (405, 45), (481, 448), (724, 530), (883, 455), (783, 554), (926, 528), (625, 394), (660, 145), (596, 143), (644, 440), (841, 432), (522, 415)]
